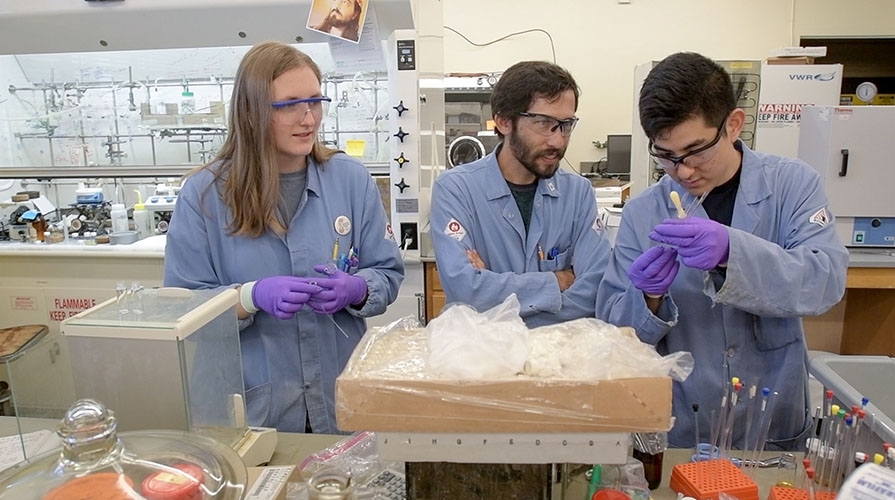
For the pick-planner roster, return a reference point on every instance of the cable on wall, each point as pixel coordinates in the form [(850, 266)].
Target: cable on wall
[(792, 26), (461, 35)]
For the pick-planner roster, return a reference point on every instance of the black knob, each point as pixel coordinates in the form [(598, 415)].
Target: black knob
[(401, 160), (400, 108), (401, 134), (402, 185), (876, 222)]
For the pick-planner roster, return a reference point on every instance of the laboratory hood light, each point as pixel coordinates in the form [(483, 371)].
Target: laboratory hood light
[(52, 26)]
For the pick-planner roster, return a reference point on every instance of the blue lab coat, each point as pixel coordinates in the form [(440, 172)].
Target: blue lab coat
[(473, 208), (290, 366), (782, 266)]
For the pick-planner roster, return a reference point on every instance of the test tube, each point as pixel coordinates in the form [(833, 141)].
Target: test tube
[(121, 298), (809, 474), (137, 297)]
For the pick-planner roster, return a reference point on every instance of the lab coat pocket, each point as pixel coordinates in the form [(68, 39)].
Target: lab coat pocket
[(558, 263), (774, 333), (258, 405)]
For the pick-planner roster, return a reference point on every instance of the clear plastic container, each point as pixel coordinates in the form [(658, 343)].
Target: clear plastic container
[(187, 103), (142, 221), (119, 218), (96, 462)]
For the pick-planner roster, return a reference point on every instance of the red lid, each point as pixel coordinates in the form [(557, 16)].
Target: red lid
[(610, 494), (99, 486), (185, 484)]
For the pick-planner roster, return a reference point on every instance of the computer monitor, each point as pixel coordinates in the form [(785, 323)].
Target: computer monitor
[(618, 154)]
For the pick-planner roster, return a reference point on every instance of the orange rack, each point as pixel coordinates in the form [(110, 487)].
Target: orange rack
[(705, 480), (781, 493)]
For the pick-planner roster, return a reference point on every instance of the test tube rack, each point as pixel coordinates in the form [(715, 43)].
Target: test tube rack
[(783, 493), (706, 480)]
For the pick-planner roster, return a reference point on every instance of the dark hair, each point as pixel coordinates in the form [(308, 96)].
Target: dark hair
[(524, 82), (683, 86)]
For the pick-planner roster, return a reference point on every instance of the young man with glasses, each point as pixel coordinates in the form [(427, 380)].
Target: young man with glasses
[(729, 282), (267, 217), (513, 222)]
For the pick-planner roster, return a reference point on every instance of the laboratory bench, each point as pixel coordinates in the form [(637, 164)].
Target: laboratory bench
[(46, 283), (293, 448), (862, 323)]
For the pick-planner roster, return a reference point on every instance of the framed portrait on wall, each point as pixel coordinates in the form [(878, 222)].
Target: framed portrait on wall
[(343, 19)]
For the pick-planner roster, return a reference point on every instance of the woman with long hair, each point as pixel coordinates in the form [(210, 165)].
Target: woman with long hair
[(298, 228)]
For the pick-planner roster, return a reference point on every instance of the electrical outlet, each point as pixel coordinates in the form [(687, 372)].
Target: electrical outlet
[(408, 230)]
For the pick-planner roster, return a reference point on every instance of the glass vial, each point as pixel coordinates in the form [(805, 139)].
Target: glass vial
[(136, 300), (121, 298)]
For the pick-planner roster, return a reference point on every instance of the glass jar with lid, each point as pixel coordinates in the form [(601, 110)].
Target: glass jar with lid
[(97, 462)]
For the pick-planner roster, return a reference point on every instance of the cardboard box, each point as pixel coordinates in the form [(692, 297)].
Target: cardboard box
[(623, 405), (386, 387), (269, 483), (791, 60)]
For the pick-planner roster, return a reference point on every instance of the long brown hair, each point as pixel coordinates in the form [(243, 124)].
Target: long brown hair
[(248, 165)]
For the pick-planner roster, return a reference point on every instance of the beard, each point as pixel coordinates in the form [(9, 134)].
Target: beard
[(336, 19), (528, 157)]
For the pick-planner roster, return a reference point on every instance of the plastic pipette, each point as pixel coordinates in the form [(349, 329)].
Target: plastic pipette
[(750, 412), (841, 446), (814, 440), (676, 199), (825, 452), (809, 473), (337, 326), (696, 203), (767, 412), (727, 434), (721, 418)]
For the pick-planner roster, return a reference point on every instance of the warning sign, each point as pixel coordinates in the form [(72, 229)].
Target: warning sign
[(23, 303), (790, 114), (66, 307)]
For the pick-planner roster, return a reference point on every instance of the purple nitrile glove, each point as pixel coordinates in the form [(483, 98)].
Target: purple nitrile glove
[(654, 271), (282, 296), (701, 243), (339, 290)]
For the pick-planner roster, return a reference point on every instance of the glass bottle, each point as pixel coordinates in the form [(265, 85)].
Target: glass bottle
[(652, 467), (330, 484)]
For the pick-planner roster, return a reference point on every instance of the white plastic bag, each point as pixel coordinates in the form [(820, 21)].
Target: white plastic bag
[(465, 344)]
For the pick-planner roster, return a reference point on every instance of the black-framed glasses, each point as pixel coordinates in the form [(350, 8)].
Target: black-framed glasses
[(547, 125), (299, 108), (692, 159)]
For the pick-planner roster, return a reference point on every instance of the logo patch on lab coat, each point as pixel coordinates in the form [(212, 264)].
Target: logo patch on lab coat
[(342, 225), (820, 218), (455, 230)]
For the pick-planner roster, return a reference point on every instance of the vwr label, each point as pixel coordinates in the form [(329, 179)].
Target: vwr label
[(269, 483), (68, 307)]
